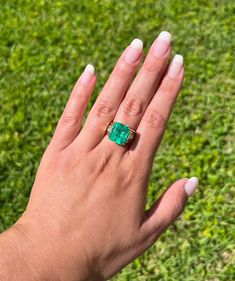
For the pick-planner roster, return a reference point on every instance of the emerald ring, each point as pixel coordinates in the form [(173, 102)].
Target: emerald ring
[(119, 133)]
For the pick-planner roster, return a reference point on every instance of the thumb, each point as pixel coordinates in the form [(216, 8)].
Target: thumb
[(168, 207)]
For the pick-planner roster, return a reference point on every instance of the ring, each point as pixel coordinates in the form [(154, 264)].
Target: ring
[(119, 133)]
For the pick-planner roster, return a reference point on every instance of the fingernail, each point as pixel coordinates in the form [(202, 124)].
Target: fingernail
[(134, 51), (191, 185), (161, 44), (176, 66), (87, 74)]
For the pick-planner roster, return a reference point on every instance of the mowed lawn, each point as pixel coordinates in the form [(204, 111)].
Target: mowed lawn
[(44, 46)]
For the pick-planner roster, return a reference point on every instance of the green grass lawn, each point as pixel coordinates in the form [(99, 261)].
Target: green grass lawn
[(44, 46)]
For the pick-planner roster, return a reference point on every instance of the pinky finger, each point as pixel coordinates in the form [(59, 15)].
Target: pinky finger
[(167, 209), (70, 122)]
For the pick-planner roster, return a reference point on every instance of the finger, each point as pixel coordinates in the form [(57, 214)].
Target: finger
[(145, 83), (70, 122), (111, 95), (154, 121), (167, 208)]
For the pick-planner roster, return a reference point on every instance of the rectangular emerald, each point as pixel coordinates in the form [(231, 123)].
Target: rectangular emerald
[(119, 133)]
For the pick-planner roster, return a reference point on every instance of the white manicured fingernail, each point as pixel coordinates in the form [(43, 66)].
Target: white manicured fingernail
[(191, 185), (87, 74), (176, 66), (162, 44), (134, 51)]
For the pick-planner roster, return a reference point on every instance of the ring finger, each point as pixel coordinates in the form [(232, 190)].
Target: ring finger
[(144, 85)]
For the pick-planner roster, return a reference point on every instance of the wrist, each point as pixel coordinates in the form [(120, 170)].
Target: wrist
[(50, 253), (18, 259)]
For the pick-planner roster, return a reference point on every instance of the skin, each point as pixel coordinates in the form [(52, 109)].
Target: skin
[(86, 216)]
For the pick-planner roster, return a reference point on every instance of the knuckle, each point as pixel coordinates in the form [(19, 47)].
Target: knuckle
[(104, 108), (67, 162), (69, 118), (169, 86), (155, 119), (152, 65), (133, 106), (123, 70)]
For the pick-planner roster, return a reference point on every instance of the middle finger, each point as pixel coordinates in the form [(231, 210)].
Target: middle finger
[(145, 84)]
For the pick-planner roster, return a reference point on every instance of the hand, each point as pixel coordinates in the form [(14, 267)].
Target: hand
[(86, 215)]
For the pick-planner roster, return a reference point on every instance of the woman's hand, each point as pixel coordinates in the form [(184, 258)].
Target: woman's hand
[(86, 216)]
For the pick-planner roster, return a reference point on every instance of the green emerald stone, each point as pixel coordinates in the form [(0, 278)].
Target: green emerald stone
[(119, 133)]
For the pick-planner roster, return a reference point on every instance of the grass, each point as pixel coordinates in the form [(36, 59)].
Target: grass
[(44, 47)]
